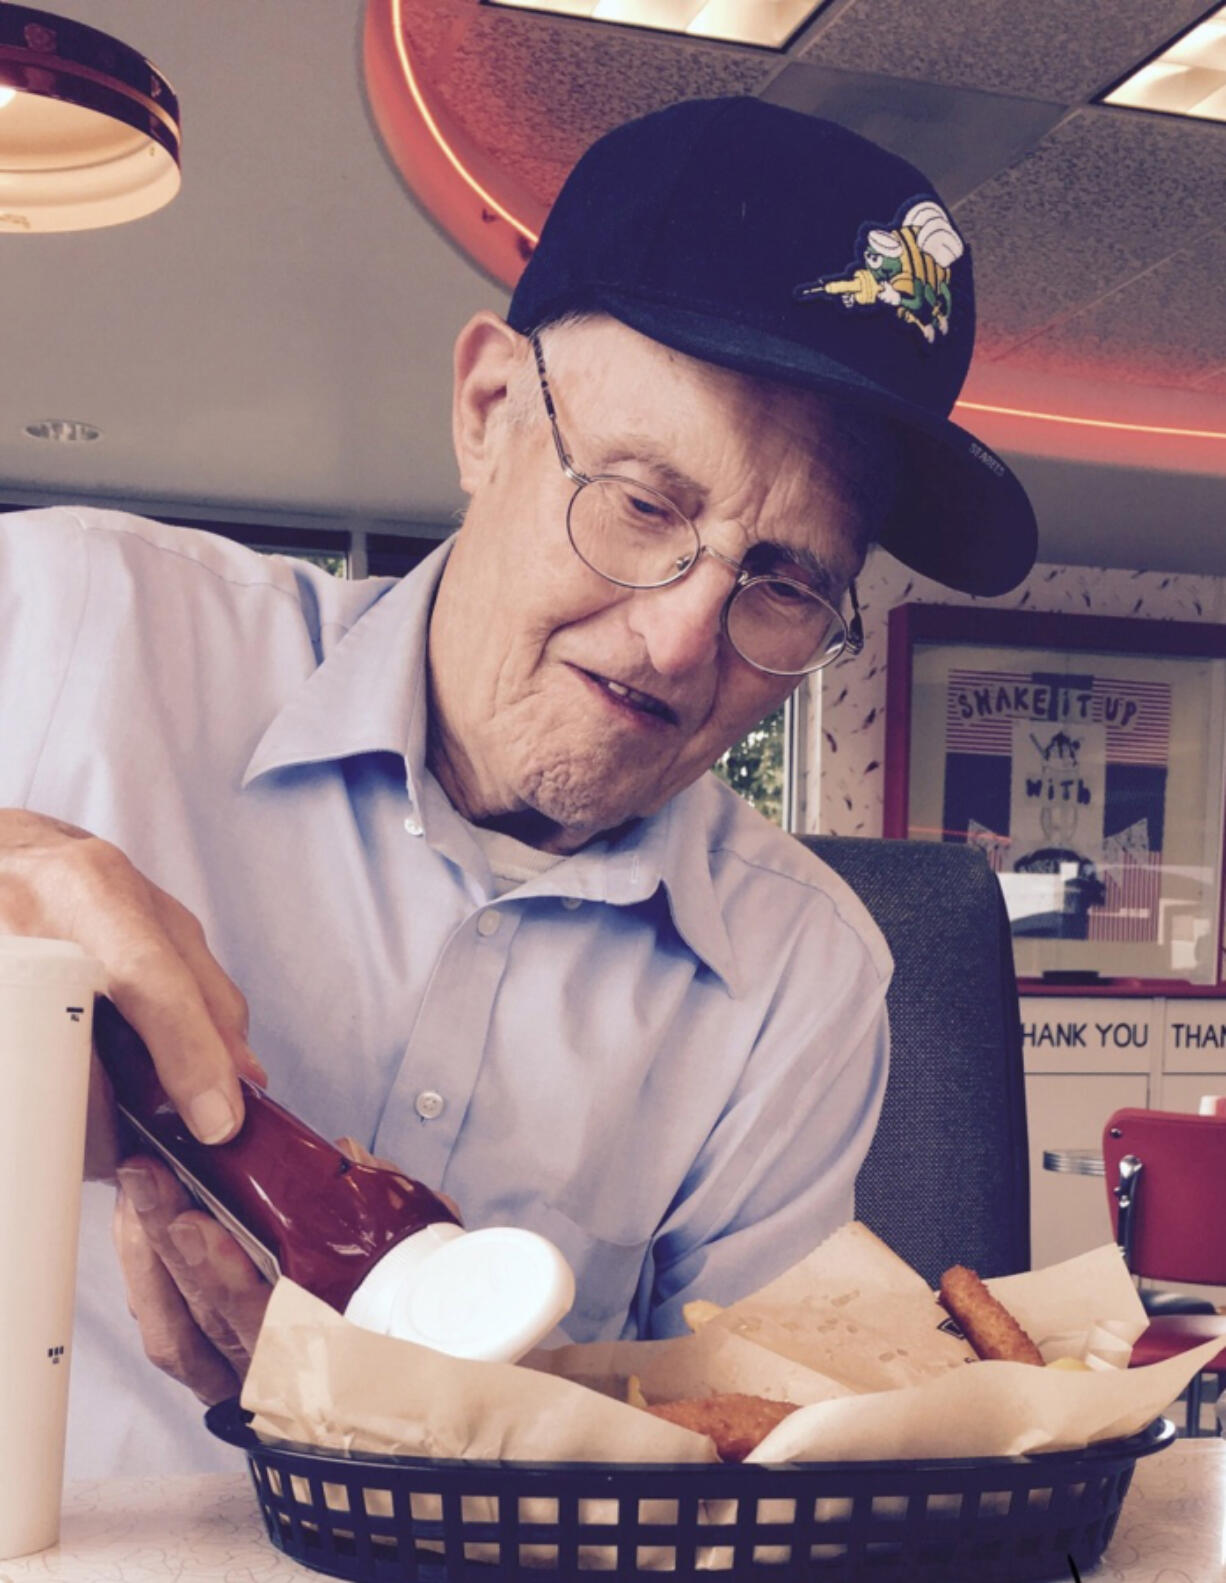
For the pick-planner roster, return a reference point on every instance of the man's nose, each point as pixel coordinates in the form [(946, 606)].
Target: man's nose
[(680, 624)]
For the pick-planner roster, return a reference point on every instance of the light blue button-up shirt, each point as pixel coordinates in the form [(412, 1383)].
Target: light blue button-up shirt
[(666, 1053)]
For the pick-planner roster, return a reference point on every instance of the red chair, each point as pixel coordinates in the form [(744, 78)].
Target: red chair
[(1166, 1186)]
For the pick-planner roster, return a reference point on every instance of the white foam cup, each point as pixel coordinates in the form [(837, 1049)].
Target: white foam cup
[(47, 992)]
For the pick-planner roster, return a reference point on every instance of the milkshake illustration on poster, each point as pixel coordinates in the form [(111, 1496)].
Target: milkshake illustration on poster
[(1084, 757)]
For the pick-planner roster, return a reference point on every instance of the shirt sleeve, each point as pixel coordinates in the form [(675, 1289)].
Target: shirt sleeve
[(44, 584), (776, 1175)]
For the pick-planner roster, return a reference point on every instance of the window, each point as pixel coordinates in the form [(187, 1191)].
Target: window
[(755, 766)]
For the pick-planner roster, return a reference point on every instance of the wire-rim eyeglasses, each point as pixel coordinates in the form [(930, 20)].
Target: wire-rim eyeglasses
[(633, 536)]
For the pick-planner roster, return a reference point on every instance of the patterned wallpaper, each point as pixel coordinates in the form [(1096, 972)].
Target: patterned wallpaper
[(846, 707)]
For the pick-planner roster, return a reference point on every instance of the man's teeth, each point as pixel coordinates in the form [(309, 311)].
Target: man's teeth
[(639, 700)]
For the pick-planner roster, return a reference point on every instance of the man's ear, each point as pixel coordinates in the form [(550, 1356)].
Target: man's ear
[(487, 352)]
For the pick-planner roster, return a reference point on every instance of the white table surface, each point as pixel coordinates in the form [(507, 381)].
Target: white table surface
[(206, 1528)]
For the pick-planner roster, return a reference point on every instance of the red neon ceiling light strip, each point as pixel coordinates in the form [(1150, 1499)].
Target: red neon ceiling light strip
[(488, 199), (1091, 423), (465, 175)]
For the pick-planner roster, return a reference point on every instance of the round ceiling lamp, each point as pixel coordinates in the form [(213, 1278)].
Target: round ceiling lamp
[(89, 129)]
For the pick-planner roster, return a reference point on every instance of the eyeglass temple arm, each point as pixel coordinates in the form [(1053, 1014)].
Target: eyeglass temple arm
[(568, 467), (855, 627)]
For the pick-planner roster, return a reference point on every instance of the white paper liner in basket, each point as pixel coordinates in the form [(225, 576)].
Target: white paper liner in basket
[(852, 1334)]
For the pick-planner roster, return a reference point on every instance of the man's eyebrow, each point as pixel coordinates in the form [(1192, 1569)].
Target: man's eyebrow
[(642, 448), (645, 450), (822, 577)]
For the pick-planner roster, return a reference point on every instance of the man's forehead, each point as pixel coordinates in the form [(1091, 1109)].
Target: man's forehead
[(630, 390), (603, 355)]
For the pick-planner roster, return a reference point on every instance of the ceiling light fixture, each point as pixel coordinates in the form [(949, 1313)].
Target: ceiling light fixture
[(1187, 78), (768, 23), (89, 130), (64, 431)]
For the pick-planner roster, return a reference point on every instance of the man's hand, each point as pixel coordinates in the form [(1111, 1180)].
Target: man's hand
[(63, 883), (197, 1297)]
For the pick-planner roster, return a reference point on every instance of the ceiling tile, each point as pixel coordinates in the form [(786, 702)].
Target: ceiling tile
[(431, 28), (957, 136), (1105, 196), (523, 82), (542, 177), (1045, 48), (1152, 331)]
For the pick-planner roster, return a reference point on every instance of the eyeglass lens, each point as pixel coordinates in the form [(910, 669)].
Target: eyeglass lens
[(632, 535)]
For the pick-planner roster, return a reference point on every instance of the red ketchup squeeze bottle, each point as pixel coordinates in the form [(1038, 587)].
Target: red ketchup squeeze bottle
[(376, 1245)]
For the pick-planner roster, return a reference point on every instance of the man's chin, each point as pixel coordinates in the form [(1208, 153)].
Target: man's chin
[(564, 823), (571, 834)]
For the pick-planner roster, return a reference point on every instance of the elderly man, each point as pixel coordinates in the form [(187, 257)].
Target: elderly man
[(453, 837)]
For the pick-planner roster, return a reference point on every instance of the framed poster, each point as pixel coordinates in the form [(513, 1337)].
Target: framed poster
[(1084, 756)]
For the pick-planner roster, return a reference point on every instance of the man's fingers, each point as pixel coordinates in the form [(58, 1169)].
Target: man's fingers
[(171, 1338), (221, 1289), (165, 1006), (224, 1001), (353, 1150), (59, 881)]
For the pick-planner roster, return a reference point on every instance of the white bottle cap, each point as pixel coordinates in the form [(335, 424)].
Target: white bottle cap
[(490, 1295)]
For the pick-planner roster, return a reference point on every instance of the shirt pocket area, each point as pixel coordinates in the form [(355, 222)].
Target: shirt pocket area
[(608, 1274)]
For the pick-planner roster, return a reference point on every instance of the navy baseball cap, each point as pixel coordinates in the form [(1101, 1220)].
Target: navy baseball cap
[(785, 246)]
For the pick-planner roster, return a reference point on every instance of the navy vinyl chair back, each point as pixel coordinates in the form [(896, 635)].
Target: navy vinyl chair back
[(947, 1179)]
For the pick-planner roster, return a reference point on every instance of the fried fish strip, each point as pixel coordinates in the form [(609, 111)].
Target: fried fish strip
[(735, 1422), (988, 1325)]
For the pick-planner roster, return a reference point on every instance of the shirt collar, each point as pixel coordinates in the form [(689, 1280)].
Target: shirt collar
[(369, 695), (671, 850)]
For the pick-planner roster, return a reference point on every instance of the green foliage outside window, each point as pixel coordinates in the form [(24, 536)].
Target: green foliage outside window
[(754, 766), (336, 563)]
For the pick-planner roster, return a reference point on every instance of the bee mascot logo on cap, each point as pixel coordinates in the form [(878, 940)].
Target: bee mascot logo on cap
[(905, 268)]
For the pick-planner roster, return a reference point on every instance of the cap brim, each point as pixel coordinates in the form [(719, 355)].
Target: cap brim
[(960, 514)]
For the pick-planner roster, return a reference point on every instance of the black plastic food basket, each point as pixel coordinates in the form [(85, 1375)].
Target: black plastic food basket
[(985, 1520)]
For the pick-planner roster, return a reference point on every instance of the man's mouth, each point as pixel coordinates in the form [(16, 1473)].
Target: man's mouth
[(633, 698)]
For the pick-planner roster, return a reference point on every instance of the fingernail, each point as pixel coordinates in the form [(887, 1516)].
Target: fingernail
[(139, 1185), (211, 1116), (187, 1240)]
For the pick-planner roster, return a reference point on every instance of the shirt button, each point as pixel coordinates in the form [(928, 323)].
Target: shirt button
[(429, 1104), (571, 902), (413, 825), (488, 922)]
